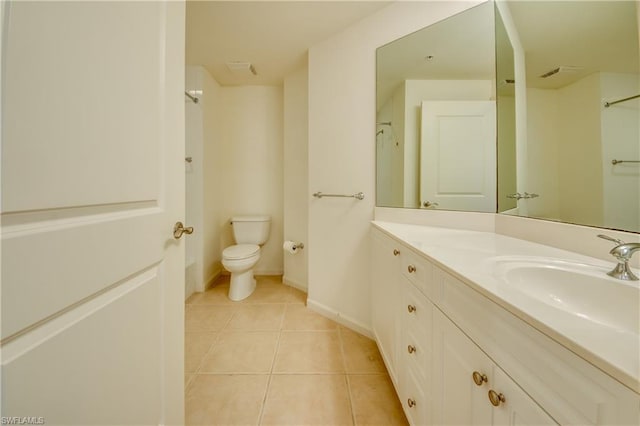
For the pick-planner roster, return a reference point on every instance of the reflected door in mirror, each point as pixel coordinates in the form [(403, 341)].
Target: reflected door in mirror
[(458, 156)]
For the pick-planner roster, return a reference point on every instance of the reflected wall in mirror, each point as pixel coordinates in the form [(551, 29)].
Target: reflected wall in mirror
[(435, 116), (576, 160)]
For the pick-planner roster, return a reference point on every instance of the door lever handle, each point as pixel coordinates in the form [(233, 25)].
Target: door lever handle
[(179, 229)]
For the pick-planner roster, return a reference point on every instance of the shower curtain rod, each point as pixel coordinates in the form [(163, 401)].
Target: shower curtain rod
[(608, 104), (190, 96)]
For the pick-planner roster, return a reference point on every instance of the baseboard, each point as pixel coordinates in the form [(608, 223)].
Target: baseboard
[(341, 319), (267, 272), (209, 283), (295, 284)]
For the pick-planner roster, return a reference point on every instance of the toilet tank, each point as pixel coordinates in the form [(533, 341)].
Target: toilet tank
[(251, 229)]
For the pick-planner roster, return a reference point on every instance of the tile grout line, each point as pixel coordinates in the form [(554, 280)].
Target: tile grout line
[(346, 376), (273, 363), (218, 333), (197, 370)]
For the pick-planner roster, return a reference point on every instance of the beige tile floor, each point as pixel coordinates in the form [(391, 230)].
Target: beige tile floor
[(268, 360)]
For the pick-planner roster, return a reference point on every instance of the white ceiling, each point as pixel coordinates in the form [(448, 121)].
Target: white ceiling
[(598, 36), (275, 36), (461, 47), (272, 35)]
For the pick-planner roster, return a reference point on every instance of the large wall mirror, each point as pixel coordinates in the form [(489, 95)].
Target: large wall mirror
[(567, 149), (573, 97), (435, 122)]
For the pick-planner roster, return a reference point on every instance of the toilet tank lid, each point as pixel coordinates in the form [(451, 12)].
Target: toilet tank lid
[(255, 218)]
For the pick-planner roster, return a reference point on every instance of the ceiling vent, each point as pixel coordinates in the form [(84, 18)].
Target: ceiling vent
[(242, 68), (562, 69)]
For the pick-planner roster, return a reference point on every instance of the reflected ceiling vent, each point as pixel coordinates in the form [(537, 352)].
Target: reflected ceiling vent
[(562, 69), (242, 68)]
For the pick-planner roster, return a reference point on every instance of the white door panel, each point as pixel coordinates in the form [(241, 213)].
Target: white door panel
[(458, 158), (92, 183), (60, 60), (102, 378), (86, 256)]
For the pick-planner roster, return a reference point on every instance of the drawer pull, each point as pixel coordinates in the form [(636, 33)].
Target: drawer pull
[(411, 269), (496, 398), (411, 349), (411, 403), (396, 252), (479, 378), (411, 308)]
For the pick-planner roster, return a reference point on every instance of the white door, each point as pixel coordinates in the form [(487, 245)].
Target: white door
[(458, 155), (92, 184)]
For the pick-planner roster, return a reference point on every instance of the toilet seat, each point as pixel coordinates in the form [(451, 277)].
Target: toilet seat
[(240, 251)]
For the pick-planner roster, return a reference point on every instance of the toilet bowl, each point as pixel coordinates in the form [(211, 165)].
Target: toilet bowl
[(250, 232), (240, 260)]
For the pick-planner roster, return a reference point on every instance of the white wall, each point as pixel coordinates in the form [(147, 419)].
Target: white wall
[(194, 131), (542, 162), (342, 155), (203, 126), (212, 160), (386, 153), (572, 139), (390, 150), (506, 151), (621, 141), (580, 153), (296, 183), (250, 170)]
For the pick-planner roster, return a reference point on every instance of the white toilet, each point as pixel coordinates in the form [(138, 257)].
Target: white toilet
[(250, 232)]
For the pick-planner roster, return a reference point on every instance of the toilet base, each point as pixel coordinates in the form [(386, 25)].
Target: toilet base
[(242, 285)]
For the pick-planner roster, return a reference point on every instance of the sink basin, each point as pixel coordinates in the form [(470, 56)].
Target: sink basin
[(572, 290)]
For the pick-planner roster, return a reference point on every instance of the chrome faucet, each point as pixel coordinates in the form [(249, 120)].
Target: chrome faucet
[(623, 252)]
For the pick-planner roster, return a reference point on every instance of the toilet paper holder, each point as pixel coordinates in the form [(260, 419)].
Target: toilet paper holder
[(292, 246)]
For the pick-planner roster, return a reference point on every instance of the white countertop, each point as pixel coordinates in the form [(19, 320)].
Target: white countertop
[(470, 255)]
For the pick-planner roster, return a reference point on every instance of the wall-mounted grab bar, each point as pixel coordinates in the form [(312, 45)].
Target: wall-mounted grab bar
[(608, 104), (614, 162), (359, 195), (193, 98)]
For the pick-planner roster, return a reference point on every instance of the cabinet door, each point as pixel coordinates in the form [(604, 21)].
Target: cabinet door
[(462, 400), (518, 409), (384, 296), (458, 400)]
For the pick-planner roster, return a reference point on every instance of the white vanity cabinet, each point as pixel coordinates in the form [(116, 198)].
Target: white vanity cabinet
[(448, 346), (385, 296), (473, 390), (571, 390), (401, 321)]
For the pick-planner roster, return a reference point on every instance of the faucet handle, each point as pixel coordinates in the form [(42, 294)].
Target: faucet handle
[(622, 252), (614, 240)]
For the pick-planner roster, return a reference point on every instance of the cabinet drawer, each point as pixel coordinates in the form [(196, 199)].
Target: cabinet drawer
[(415, 401), (416, 354), (417, 270), (417, 311)]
